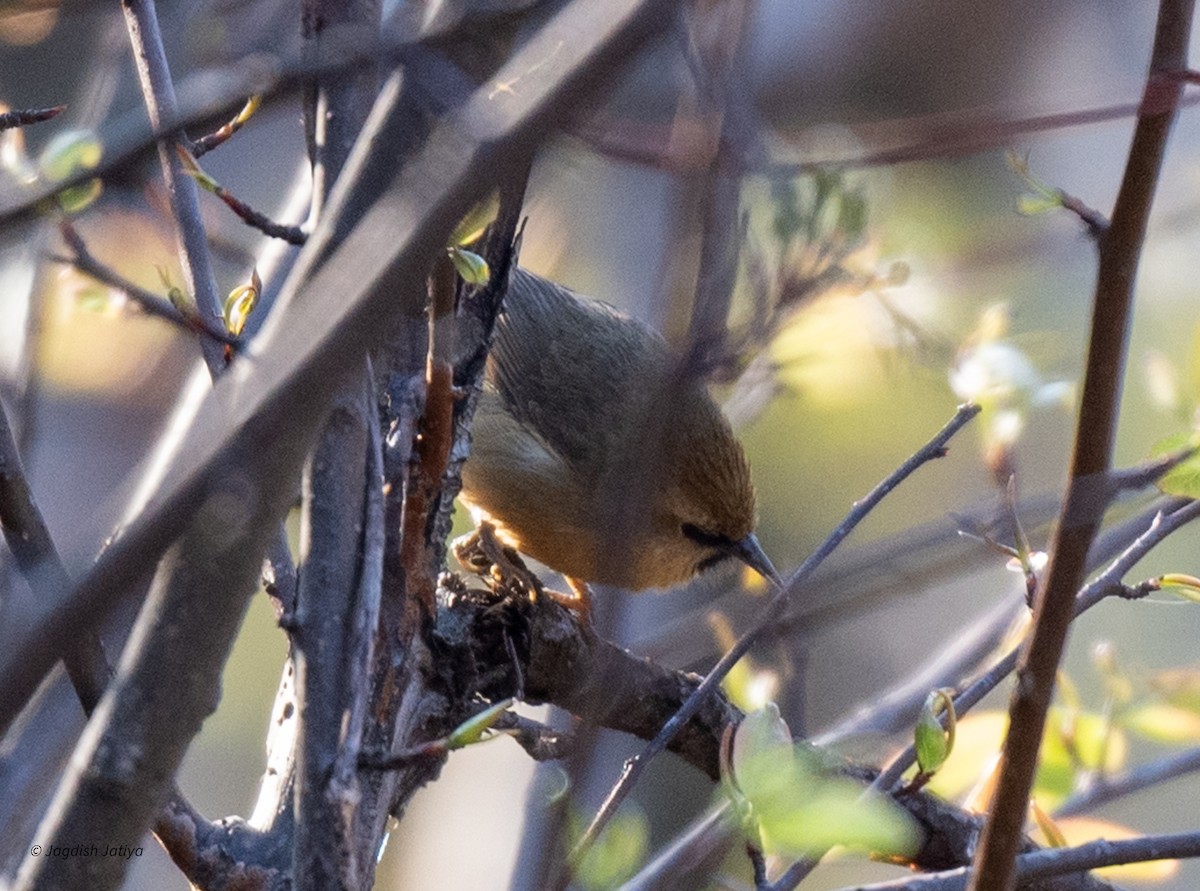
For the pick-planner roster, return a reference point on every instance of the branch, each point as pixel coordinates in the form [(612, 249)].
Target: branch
[(337, 604), (1051, 862), (1135, 779), (150, 303), (23, 117), (158, 90), (634, 767), (1108, 583), (348, 303), (1120, 247)]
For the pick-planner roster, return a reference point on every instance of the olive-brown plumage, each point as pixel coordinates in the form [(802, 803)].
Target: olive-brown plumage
[(592, 454)]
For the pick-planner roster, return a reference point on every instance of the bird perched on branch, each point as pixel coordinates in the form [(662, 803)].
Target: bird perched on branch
[(595, 453)]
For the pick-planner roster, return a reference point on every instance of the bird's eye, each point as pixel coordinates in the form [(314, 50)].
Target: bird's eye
[(704, 538), (712, 560)]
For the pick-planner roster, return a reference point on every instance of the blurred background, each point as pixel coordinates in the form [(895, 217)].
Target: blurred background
[(899, 287)]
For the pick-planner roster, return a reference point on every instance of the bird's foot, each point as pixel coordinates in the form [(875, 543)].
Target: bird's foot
[(579, 601), (499, 565), (505, 573)]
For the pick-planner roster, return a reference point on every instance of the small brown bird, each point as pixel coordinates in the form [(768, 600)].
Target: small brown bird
[(594, 455)]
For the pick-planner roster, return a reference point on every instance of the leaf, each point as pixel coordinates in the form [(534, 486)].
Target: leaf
[(1076, 740), (822, 813), (1179, 686), (977, 739), (472, 730), (793, 806), (1030, 204), (74, 199), (1047, 827), (240, 303), (192, 169), (617, 853), (93, 299), (1164, 723), (1184, 478), (1185, 586), (69, 153), (933, 743), (471, 227), (471, 267)]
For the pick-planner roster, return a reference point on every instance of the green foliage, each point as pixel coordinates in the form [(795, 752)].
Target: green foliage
[(471, 267), (933, 742), (820, 209), (1041, 198), (789, 803), (240, 303), (474, 729), (471, 227), (1184, 478), (66, 155), (617, 853)]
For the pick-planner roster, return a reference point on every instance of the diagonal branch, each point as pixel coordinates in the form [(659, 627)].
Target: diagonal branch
[(935, 448)]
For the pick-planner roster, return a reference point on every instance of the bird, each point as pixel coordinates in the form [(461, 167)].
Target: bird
[(596, 454)]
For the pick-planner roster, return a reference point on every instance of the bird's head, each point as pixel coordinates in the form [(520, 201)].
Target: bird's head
[(705, 510)]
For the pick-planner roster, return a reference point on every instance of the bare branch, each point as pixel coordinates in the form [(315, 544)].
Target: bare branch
[(1120, 248), (158, 90)]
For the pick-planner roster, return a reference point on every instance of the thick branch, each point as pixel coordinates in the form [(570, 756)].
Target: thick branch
[(1120, 248), (347, 303)]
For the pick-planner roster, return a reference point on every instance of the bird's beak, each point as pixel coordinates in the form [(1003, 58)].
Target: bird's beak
[(750, 552)]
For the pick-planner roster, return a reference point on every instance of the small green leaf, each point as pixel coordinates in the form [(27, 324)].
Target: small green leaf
[(192, 169), (822, 813), (66, 155), (1184, 478), (1030, 204), (791, 804), (933, 743), (472, 730), (1163, 723), (471, 267), (240, 303), (93, 299), (69, 153), (471, 227), (617, 853), (1185, 586), (77, 198), (1054, 836)]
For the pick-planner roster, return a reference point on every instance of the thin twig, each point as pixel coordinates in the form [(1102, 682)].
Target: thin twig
[(23, 117), (205, 144), (1119, 248), (1050, 862), (150, 303), (935, 448), (1103, 585), (1135, 779), (158, 91), (260, 221)]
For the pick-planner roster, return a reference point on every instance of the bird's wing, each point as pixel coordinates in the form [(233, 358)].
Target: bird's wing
[(560, 362)]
